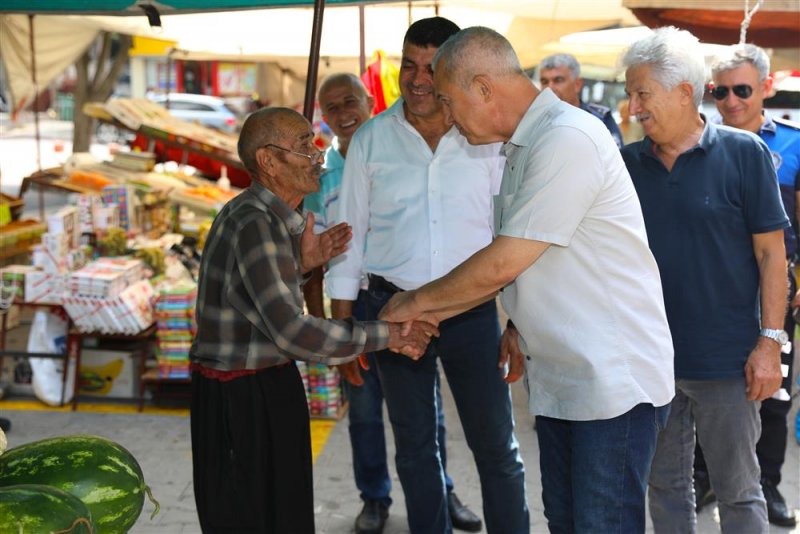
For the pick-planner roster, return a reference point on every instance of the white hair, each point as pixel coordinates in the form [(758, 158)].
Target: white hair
[(674, 56)]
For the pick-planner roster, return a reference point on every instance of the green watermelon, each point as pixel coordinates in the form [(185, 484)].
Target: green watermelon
[(35, 508), (101, 473)]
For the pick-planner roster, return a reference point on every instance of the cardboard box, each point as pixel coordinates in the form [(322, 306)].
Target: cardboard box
[(108, 374), (65, 220), (45, 288)]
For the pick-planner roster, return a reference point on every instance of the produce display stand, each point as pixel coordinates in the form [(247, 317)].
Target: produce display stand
[(172, 133)]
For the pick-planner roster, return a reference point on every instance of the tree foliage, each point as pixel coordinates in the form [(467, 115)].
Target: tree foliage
[(97, 72)]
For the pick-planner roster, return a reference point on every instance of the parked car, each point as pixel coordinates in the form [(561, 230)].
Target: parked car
[(207, 110)]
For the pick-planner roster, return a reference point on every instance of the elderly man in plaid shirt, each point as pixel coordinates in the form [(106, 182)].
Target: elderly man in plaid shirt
[(250, 430)]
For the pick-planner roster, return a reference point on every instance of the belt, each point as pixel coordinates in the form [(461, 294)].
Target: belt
[(226, 376), (380, 283)]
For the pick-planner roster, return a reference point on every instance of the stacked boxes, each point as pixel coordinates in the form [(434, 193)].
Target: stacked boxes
[(324, 391), (175, 313), (110, 296)]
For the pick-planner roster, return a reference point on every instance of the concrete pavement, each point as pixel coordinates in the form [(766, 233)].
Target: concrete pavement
[(161, 443)]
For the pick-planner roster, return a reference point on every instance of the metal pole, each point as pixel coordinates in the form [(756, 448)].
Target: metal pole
[(313, 60), (35, 94), (362, 50)]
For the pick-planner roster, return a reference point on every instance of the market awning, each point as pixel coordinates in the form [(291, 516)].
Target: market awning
[(775, 24), (139, 7)]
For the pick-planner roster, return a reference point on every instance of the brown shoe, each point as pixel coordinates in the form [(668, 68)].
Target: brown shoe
[(462, 517)]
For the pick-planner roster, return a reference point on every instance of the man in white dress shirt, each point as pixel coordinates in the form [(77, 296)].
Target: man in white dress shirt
[(419, 198)]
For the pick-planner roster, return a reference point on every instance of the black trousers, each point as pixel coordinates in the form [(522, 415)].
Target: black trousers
[(771, 446), (251, 453)]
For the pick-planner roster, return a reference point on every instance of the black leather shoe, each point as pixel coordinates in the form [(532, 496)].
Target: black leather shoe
[(777, 511), (703, 494), (372, 518), (462, 517)]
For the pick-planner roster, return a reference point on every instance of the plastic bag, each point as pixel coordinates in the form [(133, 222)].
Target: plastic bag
[(49, 334)]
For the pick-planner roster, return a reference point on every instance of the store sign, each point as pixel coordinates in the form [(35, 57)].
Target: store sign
[(236, 79)]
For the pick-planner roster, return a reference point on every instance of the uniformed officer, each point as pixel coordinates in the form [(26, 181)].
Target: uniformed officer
[(741, 83), (562, 74)]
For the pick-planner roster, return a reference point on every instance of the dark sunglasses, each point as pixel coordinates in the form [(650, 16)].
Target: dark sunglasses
[(720, 92)]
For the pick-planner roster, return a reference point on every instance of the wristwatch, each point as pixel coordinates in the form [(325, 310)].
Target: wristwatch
[(778, 336)]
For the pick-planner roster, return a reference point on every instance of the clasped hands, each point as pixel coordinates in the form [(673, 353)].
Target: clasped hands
[(410, 339), (404, 308)]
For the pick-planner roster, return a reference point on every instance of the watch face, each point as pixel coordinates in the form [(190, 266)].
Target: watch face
[(783, 337)]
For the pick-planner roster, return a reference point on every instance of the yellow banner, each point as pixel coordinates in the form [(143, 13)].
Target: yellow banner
[(145, 46)]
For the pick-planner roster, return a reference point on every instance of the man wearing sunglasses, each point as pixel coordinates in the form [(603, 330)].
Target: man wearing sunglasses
[(741, 83)]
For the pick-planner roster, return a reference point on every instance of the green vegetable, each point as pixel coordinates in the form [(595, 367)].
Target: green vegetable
[(35, 509), (101, 473)]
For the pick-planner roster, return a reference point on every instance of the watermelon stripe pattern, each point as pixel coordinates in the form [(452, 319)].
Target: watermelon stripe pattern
[(35, 508), (101, 473)]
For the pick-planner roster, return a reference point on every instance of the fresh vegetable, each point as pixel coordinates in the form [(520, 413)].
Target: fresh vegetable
[(114, 242), (35, 509), (154, 258), (101, 473)]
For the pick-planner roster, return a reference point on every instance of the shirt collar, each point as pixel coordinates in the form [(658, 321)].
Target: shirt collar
[(522, 136), (333, 158), (707, 139), (768, 125), (293, 220)]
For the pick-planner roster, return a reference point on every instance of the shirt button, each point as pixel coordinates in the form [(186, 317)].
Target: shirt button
[(528, 357), (435, 252)]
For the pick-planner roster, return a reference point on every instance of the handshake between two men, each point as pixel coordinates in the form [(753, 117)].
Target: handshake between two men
[(411, 325)]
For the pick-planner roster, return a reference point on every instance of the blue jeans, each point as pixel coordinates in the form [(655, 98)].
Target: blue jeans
[(594, 473), (468, 350), (367, 437), (728, 428)]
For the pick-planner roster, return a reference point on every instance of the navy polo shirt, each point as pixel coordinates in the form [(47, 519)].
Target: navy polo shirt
[(700, 218)]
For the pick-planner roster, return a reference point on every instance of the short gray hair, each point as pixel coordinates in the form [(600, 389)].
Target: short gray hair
[(473, 51), (675, 57), (737, 55), (555, 61), (263, 127)]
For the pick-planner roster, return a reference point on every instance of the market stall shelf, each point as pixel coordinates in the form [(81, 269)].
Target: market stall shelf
[(137, 345)]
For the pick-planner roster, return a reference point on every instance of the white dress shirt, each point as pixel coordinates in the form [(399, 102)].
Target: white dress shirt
[(415, 213), (590, 310)]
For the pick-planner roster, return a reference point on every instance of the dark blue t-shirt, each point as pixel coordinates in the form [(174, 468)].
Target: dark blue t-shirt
[(700, 218)]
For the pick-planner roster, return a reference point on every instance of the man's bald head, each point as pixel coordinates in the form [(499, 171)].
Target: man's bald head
[(263, 127)]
